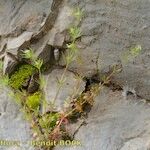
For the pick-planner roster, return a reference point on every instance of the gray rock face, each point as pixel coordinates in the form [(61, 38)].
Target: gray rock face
[(115, 124), (22, 16), (109, 29), (25, 20), (13, 126)]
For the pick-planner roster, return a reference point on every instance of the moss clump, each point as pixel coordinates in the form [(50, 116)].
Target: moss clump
[(33, 101), (21, 74)]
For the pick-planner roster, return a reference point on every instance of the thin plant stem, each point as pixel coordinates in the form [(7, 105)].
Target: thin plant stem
[(60, 84)]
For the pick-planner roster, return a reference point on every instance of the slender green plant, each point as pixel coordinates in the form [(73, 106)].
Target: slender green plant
[(51, 125), (72, 50)]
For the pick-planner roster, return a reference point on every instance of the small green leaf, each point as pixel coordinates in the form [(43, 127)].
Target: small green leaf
[(28, 54), (78, 13), (60, 82), (131, 54), (75, 32), (136, 50), (72, 47), (38, 63)]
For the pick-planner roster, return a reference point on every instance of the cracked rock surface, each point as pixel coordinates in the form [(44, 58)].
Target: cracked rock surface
[(109, 29), (115, 124)]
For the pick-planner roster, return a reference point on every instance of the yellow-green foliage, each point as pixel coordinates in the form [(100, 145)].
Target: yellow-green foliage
[(131, 54), (48, 121), (33, 101), (135, 51), (18, 78)]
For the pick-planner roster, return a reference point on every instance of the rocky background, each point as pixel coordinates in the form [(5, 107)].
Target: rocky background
[(109, 29)]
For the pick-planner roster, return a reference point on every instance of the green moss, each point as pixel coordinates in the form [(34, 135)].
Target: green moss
[(18, 78), (33, 101)]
